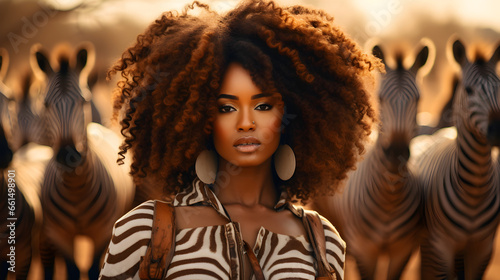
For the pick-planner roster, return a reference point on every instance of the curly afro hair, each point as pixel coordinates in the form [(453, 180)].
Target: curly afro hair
[(171, 77)]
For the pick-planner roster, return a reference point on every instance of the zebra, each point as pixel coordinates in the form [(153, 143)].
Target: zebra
[(84, 191), (20, 180), (459, 178), (379, 210)]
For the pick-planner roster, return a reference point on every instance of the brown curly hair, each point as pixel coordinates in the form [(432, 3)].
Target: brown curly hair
[(171, 77)]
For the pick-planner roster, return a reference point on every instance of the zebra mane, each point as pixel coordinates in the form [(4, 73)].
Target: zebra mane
[(399, 60), (63, 65), (64, 52), (25, 86)]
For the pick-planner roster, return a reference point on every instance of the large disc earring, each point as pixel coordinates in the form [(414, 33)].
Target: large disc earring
[(206, 166), (284, 162)]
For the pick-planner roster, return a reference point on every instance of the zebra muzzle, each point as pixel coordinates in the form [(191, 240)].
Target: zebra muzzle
[(397, 153), (69, 156)]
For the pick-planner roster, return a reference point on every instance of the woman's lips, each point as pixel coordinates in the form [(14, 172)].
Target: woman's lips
[(247, 144)]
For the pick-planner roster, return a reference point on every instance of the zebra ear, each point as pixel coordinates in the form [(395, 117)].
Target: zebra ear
[(459, 53), (40, 64), (496, 56), (81, 60), (421, 59), (85, 60), (4, 63), (377, 52)]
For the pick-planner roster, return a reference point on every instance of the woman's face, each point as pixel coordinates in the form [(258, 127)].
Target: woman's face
[(247, 127)]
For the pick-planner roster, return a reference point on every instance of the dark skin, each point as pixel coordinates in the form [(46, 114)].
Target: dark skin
[(247, 190)]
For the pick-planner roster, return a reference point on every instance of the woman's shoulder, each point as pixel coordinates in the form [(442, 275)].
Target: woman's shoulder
[(335, 247), (332, 234), (334, 242), (133, 228), (144, 211), (131, 235)]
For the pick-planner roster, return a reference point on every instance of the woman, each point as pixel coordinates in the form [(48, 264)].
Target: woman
[(211, 105)]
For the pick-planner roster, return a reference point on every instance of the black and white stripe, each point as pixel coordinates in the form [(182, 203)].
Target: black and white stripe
[(460, 179)]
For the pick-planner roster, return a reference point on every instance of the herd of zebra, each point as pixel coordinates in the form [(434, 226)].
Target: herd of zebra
[(437, 192), (76, 184)]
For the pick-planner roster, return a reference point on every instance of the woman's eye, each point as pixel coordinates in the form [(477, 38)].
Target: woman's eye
[(264, 107), (226, 109)]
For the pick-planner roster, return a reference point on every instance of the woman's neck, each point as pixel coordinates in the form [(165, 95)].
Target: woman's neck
[(247, 186)]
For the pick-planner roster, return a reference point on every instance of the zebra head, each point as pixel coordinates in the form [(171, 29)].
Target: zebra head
[(477, 105), (398, 103), (67, 110)]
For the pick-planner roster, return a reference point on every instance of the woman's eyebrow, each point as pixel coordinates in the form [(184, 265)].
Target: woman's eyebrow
[(234, 97), (260, 95), (227, 96)]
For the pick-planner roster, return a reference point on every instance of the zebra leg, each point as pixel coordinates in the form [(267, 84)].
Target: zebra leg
[(24, 265), (47, 256), (4, 270), (437, 259), (477, 257), (72, 269), (398, 258), (96, 265), (459, 266), (366, 255)]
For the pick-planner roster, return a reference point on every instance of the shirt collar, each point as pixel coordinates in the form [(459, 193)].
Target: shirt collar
[(199, 193)]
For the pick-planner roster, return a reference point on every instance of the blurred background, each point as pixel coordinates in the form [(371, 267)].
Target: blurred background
[(113, 25)]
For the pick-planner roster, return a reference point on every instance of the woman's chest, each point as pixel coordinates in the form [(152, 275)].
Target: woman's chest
[(216, 252)]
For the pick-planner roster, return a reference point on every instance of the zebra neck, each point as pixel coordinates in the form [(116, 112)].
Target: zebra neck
[(474, 165)]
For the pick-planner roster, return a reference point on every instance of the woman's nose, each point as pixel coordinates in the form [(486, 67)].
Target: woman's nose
[(246, 123)]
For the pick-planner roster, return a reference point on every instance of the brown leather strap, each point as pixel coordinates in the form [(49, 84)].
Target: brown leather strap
[(162, 245), (314, 227), (257, 271)]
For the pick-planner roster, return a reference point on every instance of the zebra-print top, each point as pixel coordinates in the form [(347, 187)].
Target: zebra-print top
[(211, 252)]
